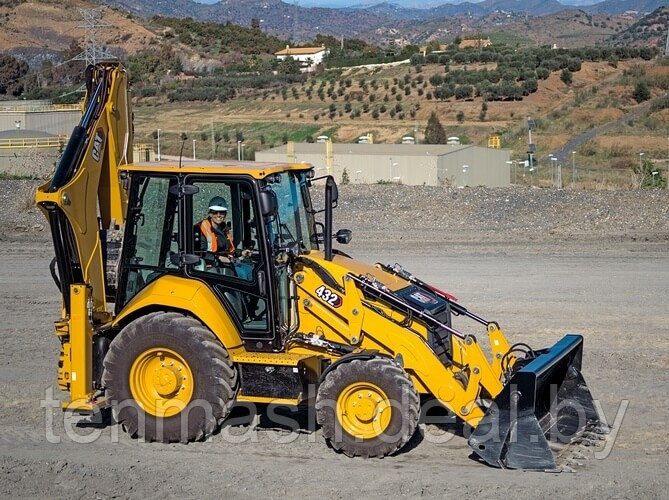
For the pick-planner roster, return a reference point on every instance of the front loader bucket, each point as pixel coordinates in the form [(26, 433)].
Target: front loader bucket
[(546, 403)]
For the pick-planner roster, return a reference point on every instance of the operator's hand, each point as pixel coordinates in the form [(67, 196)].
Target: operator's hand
[(224, 259), (246, 252)]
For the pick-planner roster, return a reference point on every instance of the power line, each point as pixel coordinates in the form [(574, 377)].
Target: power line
[(93, 51)]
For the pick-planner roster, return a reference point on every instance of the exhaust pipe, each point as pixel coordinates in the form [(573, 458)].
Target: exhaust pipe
[(331, 195)]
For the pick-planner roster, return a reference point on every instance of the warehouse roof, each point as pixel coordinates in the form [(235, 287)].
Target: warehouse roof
[(15, 133), (342, 148)]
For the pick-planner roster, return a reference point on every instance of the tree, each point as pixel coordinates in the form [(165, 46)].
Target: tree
[(529, 86), (641, 92), (434, 132), (565, 76), (289, 66), (484, 110), (463, 91), (11, 72), (460, 116)]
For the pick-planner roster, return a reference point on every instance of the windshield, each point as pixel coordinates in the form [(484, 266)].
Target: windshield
[(294, 221)]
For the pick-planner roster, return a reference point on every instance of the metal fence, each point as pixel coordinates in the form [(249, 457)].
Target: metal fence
[(39, 107), (580, 177), (33, 142)]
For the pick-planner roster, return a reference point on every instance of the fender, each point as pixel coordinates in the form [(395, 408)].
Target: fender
[(347, 358), (173, 292)]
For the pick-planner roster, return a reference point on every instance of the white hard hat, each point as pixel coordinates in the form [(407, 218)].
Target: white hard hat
[(218, 204)]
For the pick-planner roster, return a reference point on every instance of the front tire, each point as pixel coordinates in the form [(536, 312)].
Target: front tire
[(367, 408), (168, 378)]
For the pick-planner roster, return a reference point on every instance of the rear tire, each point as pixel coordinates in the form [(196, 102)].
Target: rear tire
[(168, 378), (367, 408)]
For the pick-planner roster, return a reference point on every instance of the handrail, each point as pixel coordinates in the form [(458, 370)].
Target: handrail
[(33, 142), (40, 107)]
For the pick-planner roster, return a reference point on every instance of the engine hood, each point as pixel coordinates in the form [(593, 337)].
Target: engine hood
[(341, 265)]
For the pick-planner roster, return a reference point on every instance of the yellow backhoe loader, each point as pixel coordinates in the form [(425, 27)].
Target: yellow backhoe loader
[(170, 332)]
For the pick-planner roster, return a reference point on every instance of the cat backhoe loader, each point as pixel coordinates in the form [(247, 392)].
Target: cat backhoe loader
[(157, 327)]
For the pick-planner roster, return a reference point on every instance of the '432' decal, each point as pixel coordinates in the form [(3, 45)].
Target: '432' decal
[(328, 296)]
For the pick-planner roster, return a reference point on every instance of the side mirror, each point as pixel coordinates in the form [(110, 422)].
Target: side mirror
[(293, 250), (267, 203), (344, 236)]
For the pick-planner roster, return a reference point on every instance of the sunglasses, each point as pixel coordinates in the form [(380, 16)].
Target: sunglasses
[(218, 212)]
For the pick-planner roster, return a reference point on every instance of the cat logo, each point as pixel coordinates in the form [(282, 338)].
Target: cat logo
[(98, 142)]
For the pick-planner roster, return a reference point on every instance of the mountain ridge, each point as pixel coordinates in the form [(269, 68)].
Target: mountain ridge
[(376, 23)]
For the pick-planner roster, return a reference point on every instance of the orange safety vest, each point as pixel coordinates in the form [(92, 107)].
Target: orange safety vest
[(212, 240)]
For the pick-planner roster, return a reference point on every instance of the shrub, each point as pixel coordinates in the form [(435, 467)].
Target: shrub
[(647, 176), (641, 92), (566, 76)]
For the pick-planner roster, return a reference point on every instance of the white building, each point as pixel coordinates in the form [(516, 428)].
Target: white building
[(308, 57), (412, 164)]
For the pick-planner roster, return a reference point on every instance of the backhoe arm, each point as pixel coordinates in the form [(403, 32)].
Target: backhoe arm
[(86, 181), (83, 202)]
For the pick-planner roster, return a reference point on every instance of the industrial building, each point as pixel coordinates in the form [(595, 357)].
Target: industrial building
[(33, 134), (42, 116), (414, 164)]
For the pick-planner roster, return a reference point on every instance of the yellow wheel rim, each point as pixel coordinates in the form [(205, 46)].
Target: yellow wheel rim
[(161, 382), (363, 410)]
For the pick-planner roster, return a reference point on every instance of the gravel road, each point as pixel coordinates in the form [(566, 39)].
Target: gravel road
[(542, 263), (563, 154)]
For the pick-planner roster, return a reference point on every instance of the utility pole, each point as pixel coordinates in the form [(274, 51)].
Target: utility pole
[(213, 143), (329, 157), (92, 24)]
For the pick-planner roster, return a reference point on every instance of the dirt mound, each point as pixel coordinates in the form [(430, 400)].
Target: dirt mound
[(439, 213)]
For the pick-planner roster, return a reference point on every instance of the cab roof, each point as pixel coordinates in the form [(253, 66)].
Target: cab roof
[(256, 169)]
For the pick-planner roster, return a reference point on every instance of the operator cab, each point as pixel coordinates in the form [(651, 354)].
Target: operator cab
[(267, 219)]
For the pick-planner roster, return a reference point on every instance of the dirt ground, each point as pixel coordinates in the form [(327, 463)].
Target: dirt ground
[(612, 290)]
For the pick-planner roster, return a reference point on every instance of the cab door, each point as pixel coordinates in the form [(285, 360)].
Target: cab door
[(239, 278)]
